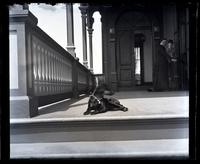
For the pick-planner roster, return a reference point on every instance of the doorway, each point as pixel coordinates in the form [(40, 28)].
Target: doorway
[(139, 58), (133, 50)]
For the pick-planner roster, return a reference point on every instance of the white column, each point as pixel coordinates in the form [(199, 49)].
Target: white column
[(83, 16), (70, 29), (90, 22)]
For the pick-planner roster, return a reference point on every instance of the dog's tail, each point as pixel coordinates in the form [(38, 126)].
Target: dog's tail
[(96, 85)]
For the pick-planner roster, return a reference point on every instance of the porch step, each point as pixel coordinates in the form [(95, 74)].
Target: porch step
[(99, 137), (97, 129), (166, 148)]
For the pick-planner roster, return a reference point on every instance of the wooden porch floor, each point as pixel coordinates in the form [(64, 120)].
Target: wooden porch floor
[(140, 104)]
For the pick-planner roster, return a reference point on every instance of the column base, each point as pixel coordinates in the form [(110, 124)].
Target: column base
[(85, 63), (71, 50), (23, 107), (91, 70)]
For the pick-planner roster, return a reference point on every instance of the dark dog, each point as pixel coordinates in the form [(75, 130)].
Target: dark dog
[(98, 104)]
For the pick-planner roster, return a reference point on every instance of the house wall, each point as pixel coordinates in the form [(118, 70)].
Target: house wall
[(165, 18), (148, 57), (169, 22), (109, 17), (109, 51)]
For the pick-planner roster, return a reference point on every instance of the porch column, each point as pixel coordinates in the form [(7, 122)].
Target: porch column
[(70, 29), (83, 16), (90, 31)]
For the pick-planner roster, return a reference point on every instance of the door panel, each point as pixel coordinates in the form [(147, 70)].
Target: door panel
[(125, 58)]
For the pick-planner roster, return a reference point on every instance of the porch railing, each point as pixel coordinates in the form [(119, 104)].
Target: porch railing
[(45, 71)]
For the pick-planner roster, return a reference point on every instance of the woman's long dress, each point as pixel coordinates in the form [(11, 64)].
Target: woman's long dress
[(161, 70)]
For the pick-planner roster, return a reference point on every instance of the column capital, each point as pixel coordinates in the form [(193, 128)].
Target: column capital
[(90, 20), (83, 10)]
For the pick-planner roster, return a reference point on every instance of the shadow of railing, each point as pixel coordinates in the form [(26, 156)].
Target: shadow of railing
[(61, 106)]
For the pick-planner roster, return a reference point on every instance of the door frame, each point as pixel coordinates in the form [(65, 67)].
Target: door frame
[(133, 33), (140, 44)]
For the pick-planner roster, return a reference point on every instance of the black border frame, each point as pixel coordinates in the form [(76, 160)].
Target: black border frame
[(193, 80)]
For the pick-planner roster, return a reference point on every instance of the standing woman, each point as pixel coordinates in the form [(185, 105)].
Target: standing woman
[(161, 82)]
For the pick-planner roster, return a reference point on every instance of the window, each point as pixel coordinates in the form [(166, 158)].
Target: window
[(137, 65)]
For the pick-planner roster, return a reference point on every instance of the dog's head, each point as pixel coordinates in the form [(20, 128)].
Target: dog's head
[(94, 101)]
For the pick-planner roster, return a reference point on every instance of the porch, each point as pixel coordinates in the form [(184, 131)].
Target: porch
[(140, 104)]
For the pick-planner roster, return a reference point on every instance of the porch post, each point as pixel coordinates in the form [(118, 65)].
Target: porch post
[(70, 29), (156, 40), (90, 31), (83, 16), (23, 102), (75, 79)]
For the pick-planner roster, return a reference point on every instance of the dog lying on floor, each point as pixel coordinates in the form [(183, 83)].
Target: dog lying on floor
[(99, 104)]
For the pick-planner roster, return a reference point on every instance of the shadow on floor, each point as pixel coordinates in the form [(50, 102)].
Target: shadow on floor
[(63, 106)]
